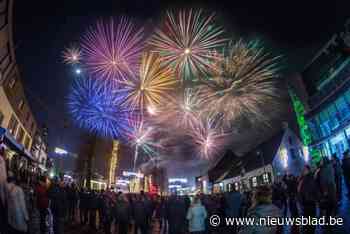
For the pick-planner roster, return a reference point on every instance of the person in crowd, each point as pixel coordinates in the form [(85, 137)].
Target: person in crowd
[(72, 195), (232, 203), (346, 170), (42, 202), (196, 217), (17, 214), (59, 205), (176, 215), (326, 182), (262, 207), (162, 214), (123, 213), (83, 206), (93, 207), (292, 191), (140, 215), (308, 193), (279, 197), (107, 214), (3, 181), (337, 176)]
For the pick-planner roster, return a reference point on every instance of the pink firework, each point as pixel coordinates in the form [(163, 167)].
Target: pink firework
[(208, 137), (112, 49), (71, 55), (186, 42)]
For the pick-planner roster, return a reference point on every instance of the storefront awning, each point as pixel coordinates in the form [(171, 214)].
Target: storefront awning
[(11, 142)]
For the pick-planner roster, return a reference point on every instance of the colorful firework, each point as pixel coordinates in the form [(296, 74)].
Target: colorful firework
[(143, 138), (95, 107), (182, 112), (207, 136), (112, 49), (245, 84), (71, 55), (154, 83), (186, 42)]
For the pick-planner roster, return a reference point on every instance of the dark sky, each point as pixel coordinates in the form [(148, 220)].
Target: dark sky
[(43, 28)]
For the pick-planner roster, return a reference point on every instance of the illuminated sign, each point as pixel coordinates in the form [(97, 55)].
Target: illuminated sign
[(129, 173), (181, 180), (60, 151)]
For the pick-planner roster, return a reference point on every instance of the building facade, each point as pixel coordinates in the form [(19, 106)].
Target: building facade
[(15, 113), (327, 82), (282, 154)]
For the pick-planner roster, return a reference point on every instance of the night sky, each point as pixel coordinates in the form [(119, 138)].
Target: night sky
[(295, 29)]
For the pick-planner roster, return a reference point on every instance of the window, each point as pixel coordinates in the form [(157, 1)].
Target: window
[(20, 135), (27, 142), (265, 177), (13, 124), (21, 104), (254, 182), (12, 83)]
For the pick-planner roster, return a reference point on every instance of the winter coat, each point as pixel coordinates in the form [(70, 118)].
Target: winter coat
[(17, 210), (176, 215), (58, 198), (42, 198), (326, 180), (308, 190), (140, 212), (196, 216), (233, 201), (123, 211), (260, 211)]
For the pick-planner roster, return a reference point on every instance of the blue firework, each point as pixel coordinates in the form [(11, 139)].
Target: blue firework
[(96, 106)]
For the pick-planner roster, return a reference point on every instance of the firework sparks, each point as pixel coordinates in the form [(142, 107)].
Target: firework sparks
[(112, 49), (154, 84), (186, 42), (244, 85), (71, 55), (98, 109), (208, 137), (182, 112), (143, 138)]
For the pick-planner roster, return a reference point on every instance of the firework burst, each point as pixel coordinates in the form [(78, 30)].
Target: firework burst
[(186, 42), (245, 84), (71, 55), (154, 83), (112, 49), (208, 137), (98, 109), (182, 112)]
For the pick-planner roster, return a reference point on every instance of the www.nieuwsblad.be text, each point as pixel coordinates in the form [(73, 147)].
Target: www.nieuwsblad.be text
[(216, 221)]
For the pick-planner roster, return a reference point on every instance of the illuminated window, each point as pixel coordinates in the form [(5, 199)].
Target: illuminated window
[(265, 178), (254, 182), (21, 104), (27, 142), (20, 135), (13, 124)]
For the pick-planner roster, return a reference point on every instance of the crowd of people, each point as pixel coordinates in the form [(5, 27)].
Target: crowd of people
[(50, 205)]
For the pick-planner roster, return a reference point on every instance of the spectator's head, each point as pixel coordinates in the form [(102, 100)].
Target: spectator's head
[(196, 200), (346, 154), (306, 170), (42, 180), (11, 178), (263, 195)]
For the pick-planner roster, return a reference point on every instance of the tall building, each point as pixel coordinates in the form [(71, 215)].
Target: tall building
[(327, 82), (16, 117)]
